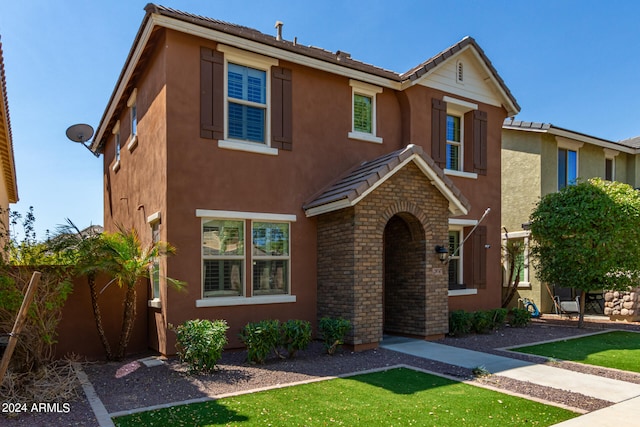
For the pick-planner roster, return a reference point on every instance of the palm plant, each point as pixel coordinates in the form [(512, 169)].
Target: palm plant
[(84, 249), (128, 261)]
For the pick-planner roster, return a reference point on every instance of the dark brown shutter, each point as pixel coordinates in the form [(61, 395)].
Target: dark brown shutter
[(211, 94), (475, 258), (439, 132), (480, 142), (281, 109)]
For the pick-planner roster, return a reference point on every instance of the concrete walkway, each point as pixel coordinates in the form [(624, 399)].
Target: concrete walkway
[(626, 396)]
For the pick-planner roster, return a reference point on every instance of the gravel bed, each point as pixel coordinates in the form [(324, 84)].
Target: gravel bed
[(129, 385)]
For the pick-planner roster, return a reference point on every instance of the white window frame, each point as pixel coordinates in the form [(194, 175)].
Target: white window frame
[(116, 140), (243, 257), (286, 258), (258, 62), (456, 224), (525, 236), (154, 221), (244, 299), (569, 145), (458, 107), (610, 154), (133, 120), (370, 91)]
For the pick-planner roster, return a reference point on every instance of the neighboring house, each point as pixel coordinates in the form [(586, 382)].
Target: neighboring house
[(8, 183), (540, 158), (299, 183)]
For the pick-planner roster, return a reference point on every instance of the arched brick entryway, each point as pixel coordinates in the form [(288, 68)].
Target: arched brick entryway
[(404, 275)]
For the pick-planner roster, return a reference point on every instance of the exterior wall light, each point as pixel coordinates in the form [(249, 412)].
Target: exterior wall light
[(443, 254)]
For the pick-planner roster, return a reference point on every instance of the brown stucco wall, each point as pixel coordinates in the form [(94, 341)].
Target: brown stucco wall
[(174, 171)]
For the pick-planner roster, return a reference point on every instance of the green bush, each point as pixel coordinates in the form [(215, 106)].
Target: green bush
[(333, 331), (499, 316), (520, 317), (482, 322), (261, 338), (200, 343), (460, 322), (295, 335)]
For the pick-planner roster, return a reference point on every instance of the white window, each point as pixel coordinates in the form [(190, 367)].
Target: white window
[(363, 111), (454, 142), (516, 245), (455, 259), (270, 258), (567, 161), (247, 91), (133, 120), (456, 111), (116, 141), (223, 257), (610, 164), (154, 273)]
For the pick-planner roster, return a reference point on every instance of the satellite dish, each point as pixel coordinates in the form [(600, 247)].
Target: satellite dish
[(80, 133)]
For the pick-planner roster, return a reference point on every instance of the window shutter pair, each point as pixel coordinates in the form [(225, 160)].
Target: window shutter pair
[(475, 258), (478, 137), (212, 100)]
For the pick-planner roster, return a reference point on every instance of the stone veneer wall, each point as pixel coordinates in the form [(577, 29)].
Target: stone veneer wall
[(351, 259), (622, 305)]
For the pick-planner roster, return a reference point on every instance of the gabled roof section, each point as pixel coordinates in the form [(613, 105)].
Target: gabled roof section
[(362, 180), (628, 145), (6, 140), (423, 70), (253, 40)]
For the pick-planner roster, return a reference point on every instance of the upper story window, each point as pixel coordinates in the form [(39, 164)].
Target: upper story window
[(363, 111), (133, 120), (567, 167), (116, 143), (454, 143), (459, 137), (247, 103)]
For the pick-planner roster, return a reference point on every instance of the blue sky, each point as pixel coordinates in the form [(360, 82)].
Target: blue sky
[(571, 63)]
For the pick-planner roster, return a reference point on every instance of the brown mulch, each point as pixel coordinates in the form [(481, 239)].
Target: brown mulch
[(129, 385)]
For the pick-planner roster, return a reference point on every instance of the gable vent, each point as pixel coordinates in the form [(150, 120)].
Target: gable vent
[(460, 72)]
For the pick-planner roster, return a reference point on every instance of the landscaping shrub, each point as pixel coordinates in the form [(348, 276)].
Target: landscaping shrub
[(200, 343), (261, 338), (499, 316), (482, 322), (520, 317), (333, 332), (295, 336), (460, 322)]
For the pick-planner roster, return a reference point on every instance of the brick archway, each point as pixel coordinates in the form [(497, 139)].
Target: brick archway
[(404, 275)]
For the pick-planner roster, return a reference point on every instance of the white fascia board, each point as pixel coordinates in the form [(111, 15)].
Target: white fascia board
[(263, 49), (122, 84), (590, 140), (329, 207), (256, 216)]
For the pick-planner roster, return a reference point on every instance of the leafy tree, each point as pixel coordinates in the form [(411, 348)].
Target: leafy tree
[(128, 261), (587, 237)]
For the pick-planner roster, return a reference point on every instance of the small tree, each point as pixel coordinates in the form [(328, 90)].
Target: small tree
[(587, 237), (512, 251), (128, 261)]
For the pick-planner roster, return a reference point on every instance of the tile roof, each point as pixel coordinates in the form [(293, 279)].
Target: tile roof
[(360, 181), (510, 123), (6, 139)]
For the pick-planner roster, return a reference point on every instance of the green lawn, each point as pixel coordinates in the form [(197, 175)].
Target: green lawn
[(398, 397), (619, 349)]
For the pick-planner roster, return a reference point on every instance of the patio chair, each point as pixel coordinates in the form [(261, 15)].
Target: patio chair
[(564, 301)]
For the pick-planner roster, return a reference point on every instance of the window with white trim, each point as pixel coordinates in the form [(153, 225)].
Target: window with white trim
[(454, 142), (517, 245), (270, 242), (363, 111), (133, 120), (155, 266), (455, 259), (567, 167), (223, 257), (247, 103)]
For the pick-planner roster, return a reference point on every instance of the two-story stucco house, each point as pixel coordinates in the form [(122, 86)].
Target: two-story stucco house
[(540, 158), (299, 183)]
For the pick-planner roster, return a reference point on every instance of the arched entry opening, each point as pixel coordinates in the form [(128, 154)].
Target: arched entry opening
[(404, 276)]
